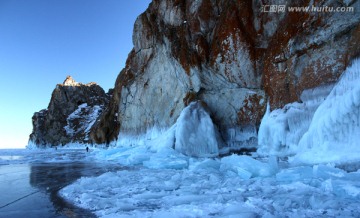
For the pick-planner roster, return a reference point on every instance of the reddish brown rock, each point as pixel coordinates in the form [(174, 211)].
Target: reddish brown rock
[(229, 54)]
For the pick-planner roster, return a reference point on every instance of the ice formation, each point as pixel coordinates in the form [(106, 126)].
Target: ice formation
[(281, 129), (323, 128), (195, 133), (168, 184), (334, 133)]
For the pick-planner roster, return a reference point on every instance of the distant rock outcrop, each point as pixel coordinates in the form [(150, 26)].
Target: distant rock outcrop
[(73, 109)]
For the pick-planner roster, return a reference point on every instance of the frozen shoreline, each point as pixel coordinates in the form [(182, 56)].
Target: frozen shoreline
[(167, 183)]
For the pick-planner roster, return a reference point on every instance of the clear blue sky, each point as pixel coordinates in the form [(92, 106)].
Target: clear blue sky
[(43, 41)]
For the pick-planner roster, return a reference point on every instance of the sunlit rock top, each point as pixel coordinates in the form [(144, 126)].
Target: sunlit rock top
[(69, 81)]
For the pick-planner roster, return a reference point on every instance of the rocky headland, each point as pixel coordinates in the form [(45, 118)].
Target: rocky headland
[(230, 57)]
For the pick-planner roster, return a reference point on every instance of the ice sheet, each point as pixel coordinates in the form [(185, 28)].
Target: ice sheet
[(164, 182), (70, 153)]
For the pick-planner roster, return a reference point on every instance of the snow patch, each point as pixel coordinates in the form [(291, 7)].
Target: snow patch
[(85, 116)]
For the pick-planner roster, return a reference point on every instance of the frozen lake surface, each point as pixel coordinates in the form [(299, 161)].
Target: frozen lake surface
[(140, 182), (30, 181)]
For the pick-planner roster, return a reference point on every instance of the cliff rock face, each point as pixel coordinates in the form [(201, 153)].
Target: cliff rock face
[(73, 109), (307, 49), (234, 56), (231, 55)]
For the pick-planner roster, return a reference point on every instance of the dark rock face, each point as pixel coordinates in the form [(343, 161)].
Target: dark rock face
[(38, 134), (72, 110), (230, 55)]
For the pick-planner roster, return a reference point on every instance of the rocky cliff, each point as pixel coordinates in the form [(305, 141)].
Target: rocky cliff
[(73, 109), (232, 55)]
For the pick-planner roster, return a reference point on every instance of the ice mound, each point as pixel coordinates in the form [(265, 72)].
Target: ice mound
[(125, 156), (195, 133), (334, 133), (325, 177), (166, 159), (246, 167)]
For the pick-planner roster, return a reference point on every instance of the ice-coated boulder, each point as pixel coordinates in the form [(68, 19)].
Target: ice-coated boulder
[(195, 133)]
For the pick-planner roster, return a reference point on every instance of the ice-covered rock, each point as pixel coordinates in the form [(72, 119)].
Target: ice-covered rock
[(195, 133), (174, 63), (232, 56), (281, 129), (227, 62), (323, 128)]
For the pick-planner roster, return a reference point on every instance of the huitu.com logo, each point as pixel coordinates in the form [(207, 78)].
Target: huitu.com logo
[(308, 9)]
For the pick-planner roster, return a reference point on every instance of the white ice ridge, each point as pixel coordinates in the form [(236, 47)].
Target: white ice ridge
[(323, 128)]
